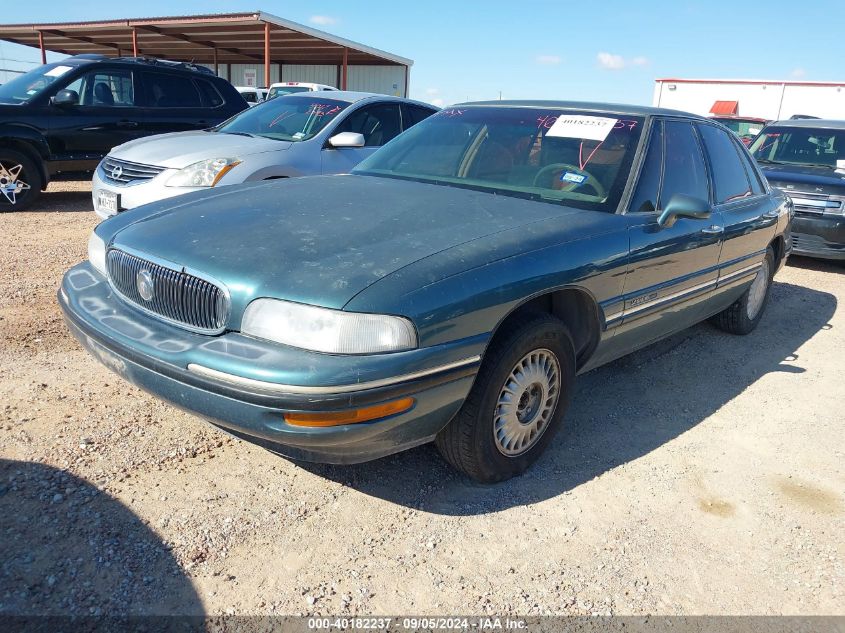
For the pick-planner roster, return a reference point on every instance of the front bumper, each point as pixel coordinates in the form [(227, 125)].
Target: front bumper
[(135, 195), (245, 385), (822, 237)]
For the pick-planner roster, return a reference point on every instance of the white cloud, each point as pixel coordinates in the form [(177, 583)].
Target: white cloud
[(609, 61), (548, 60), (432, 91), (797, 73), (322, 20), (438, 102)]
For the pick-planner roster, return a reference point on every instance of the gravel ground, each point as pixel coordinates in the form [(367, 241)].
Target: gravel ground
[(702, 475)]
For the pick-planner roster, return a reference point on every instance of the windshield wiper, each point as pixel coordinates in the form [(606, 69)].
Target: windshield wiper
[(238, 133), (766, 161)]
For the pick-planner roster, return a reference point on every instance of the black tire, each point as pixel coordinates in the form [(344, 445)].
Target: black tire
[(468, 442), (28, 174), (736, 318)]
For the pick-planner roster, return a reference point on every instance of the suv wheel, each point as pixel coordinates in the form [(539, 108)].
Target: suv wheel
[(20, 180), (516, 404), (742, 316)]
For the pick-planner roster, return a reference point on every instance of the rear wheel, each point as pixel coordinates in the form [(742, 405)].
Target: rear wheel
[(517, 402), (742, 316), (20, 180)]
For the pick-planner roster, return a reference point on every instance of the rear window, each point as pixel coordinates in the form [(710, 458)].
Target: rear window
[(729, 177)]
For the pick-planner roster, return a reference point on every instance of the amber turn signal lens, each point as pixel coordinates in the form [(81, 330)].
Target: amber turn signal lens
[(350, 416)]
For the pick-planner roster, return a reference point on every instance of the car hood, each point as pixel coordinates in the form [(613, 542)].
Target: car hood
[(806, 179), (180, 149), (318, 240)]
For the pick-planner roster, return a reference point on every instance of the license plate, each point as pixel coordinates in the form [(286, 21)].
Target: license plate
[(108, 201)]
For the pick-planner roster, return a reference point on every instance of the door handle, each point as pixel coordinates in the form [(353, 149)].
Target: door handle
[(771, 215), (127, 124), (713, 229)]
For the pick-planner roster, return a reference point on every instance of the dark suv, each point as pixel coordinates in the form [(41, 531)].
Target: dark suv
[(64, 117), (806, 159)]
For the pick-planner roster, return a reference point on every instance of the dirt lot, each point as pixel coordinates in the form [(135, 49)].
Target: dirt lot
[(703, 475)]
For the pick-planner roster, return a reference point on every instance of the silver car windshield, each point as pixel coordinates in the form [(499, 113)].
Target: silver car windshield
[(285, 118), (573, 157)]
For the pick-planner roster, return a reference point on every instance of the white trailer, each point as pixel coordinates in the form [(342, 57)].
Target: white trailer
[(774, 100)]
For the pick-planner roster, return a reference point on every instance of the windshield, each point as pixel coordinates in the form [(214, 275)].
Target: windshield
[(22, 89), (573, 157), (278, 91), (287, 119), (800, 146)]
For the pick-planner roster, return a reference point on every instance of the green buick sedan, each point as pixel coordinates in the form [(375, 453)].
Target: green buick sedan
[(450, 289)]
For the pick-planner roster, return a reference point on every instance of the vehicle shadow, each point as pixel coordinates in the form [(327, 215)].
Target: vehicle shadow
[(821, 265), (68, 549), (619, 413), (63, 202)]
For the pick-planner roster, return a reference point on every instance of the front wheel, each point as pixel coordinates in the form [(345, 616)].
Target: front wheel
[(742, 316), (20, 181), (516, 404)]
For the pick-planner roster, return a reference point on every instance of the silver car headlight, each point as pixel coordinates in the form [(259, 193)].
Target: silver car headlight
[(205, 173), (326, 330), (97, 252)]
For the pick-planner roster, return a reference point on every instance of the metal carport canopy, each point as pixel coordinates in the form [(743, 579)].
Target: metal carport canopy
[(223, 38)]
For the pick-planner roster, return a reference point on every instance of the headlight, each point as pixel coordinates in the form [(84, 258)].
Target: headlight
[(205, 173), (325, 330), (97, 252)]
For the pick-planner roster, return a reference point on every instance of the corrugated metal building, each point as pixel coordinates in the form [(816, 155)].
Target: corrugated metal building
[(249, 49), (365, 78)]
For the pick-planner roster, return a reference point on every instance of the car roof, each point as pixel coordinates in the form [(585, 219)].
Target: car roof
[(610, 108), (831, 124), (150, 62), (350, 97), (736, 117)]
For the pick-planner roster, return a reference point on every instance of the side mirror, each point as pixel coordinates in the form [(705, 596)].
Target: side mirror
[(64, 98), (347, 139), (682, 206)]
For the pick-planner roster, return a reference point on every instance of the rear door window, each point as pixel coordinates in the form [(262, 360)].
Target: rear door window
[(684, 170), (730, 181), (415, 114), (163, 90)]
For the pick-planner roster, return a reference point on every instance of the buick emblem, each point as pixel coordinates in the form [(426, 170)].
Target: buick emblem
[(145, 285), (116, 172)]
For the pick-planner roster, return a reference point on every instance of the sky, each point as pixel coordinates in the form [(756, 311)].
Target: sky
[(466, 50)]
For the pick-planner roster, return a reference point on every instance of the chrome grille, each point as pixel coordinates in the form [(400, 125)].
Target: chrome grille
[(122, 172), (814, 203), (178, 297)]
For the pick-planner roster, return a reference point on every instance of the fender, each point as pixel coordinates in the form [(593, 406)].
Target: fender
[(28, 139)]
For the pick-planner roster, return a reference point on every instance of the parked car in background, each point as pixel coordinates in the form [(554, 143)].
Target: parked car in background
[(746, 128), (252, 95), (283, 88), (449, 289), (64, 117), (297, 135), (806, 159)]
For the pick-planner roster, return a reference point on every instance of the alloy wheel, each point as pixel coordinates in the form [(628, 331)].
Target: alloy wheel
[(11, 181)]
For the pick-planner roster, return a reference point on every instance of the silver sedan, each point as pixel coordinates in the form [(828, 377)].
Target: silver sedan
[(297, 135)]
